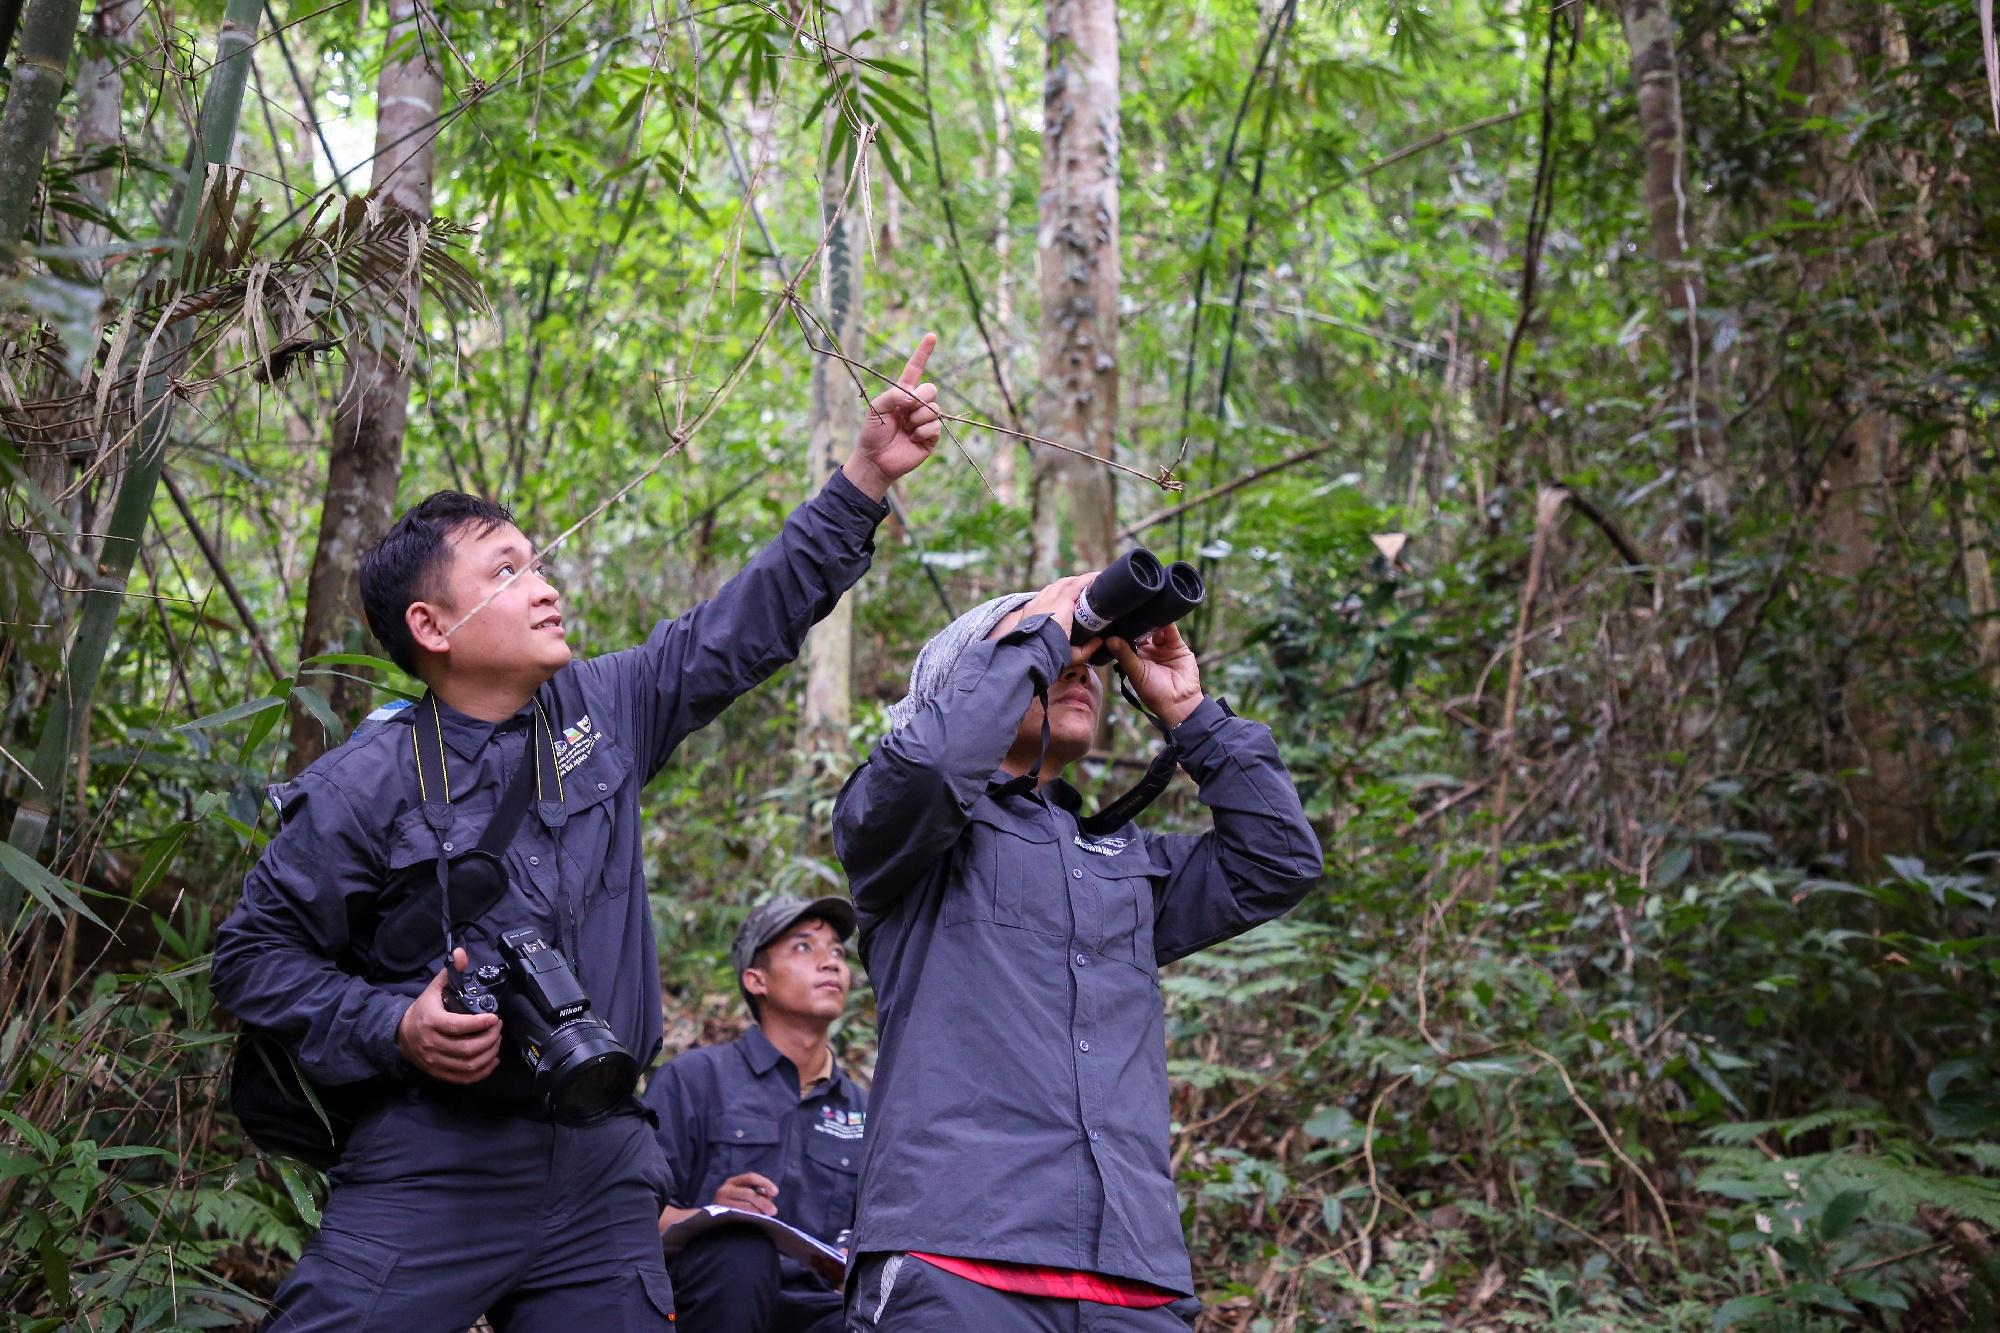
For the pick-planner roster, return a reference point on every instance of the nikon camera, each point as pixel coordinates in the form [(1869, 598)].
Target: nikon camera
[(581, 1073)]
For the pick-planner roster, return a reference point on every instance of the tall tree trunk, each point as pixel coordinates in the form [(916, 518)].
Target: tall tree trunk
[(1006, 449), (221, 107), (1075, 519), (1885, 795), (100, 96), (366, 458), (1656, 83), (48, 32), (836, 417)]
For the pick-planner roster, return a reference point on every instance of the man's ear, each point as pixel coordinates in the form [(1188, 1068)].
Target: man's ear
[(754, 981), (427, 627)]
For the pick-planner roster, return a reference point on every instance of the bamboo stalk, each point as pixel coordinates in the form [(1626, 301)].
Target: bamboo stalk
[(221, 106), (48, 32)]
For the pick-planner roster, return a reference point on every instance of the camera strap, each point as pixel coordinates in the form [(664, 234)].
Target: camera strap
[(467, 897)]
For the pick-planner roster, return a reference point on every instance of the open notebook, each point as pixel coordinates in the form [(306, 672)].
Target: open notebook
[(811, 1251)]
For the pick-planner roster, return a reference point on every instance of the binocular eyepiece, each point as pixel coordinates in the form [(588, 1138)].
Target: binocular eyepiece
[(1133, 596)]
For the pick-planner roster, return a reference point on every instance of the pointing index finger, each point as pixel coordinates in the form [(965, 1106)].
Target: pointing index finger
[(913, 371)]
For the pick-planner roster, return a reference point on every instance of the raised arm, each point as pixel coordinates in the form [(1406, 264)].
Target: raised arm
[(1261, 857), (691, 668), (906, 805)]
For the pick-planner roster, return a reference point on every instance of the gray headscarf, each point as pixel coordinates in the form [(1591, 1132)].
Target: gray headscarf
[(941, 655)]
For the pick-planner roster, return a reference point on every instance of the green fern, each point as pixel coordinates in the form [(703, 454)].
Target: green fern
[(1895, 1183)]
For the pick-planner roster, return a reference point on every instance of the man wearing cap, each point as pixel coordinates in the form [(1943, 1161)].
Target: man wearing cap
[(1018, 1174), (767, 1123)]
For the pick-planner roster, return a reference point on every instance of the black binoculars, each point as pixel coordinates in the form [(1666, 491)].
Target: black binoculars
[(1133, 596)]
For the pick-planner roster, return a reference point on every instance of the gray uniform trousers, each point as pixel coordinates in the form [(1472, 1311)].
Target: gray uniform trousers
[(440, 1214), (900, 1293)]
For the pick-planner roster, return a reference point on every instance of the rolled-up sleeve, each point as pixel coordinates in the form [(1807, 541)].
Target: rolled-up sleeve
[(274, 962), (906, 805), (1259, 859), (691, 668)]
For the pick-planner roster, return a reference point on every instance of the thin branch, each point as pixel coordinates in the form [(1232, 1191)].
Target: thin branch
[(678, 439), (1539, 208), (1164, 478), (221, 571), (1216, 493), (951, 221), (1244, 252), (305, 97), (1215, 214)]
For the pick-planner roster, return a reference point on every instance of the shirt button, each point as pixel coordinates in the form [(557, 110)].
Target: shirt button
[(1083, 960), (1076, 874), (843, 1161), (534, 860), (1084, 1046), (602, 787), (739, 1133), (1095, 1136), (447, 846)]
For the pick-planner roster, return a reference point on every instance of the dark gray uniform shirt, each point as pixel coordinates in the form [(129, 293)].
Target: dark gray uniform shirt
[(1020, 1098), (733, 1108), (298, 955)]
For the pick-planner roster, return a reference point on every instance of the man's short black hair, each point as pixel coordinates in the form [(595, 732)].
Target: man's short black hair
[(404, 566)]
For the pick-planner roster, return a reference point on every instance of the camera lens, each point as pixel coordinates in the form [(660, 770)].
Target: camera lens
[(584, 1073)]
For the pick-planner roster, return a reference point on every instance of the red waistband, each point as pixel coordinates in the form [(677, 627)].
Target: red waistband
[(1064, 1284)]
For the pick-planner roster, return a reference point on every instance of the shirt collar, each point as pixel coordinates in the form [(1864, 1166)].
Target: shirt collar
[(763, 1057), (1059, 791), (759, 1051), (467, 735)]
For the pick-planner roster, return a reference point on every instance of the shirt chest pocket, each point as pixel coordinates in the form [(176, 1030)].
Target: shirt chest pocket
[(1126, 883), (832, 1167), (1009, 873), (595, 856), (742, 1145)]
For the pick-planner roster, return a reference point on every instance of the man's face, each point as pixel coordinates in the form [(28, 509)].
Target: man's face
[(518, 636), (1076, 702), (803, 973)]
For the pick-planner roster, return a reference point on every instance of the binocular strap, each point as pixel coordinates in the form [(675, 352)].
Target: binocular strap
[(1147, 789)]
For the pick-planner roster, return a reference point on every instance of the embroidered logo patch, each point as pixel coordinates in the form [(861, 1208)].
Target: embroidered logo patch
[(575, 744), (1102, 846), (841, 1124)]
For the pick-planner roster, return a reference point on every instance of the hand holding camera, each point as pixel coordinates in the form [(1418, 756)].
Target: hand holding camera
[(568, 1059), (450, 1047)]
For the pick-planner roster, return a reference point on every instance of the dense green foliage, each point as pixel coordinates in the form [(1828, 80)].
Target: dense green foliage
[(1653, 978)]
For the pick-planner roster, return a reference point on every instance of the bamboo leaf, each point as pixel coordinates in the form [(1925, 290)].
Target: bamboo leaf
[(46, 888), (233, 713)]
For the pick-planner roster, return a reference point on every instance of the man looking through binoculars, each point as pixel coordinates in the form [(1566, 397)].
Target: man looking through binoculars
[(1017, 1176)]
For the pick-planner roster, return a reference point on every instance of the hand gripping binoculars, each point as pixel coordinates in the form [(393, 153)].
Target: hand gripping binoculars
[(1133, 596)]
